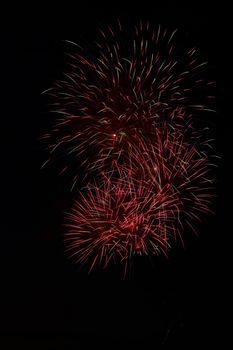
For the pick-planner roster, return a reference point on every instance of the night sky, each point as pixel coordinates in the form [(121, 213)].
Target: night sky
[(47, 301)]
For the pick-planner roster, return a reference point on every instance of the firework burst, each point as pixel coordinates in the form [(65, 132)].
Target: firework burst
[(121, 217), (128, 86), (144, 204), (124, 118)]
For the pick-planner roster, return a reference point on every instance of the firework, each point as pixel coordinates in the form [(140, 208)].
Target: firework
[(120, 218), (125, 120), (123, 88), (143, 205)]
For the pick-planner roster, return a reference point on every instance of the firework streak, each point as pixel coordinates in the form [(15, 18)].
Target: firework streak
[(125, 120)]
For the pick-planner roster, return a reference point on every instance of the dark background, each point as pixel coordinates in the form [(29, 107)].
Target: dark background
[(46, 301)]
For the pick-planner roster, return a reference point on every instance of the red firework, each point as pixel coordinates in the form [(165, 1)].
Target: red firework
[(143, 204), (126, 119), (137, 80), (119, 218)]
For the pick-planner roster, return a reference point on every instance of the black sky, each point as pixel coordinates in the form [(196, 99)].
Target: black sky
[(46, 302)]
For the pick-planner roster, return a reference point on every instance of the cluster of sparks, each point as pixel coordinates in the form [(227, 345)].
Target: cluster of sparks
[(125, 122)]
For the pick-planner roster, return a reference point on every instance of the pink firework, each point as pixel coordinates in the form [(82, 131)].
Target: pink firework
[(126, 122)]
